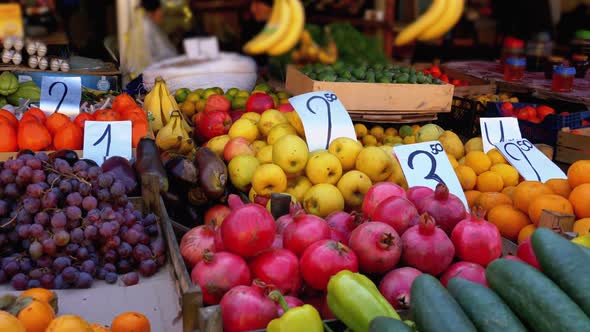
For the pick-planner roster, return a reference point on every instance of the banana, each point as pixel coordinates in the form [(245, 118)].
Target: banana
[(275, 29), (151, 104), (297, 24), (169, 143), (186, 146), (432, 14), (167, 106), (446, 23), (172, 130)]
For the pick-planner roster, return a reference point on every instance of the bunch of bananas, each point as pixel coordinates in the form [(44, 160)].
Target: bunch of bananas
[(282, 31), (310, 52), (173, 137), (439, 18)]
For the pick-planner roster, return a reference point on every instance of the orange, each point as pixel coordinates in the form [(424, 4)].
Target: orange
[(472, 196), (466, 176), (489, 200), (580, 199), (582, 226), (508, 191), (489, 182), (478, 161), (579, 173), (36, 316), (509, 220), (69, 323), (508, 173), (560, 187), (131, 322), (551, 202), (526, 233), (526, 192), (496, 157)]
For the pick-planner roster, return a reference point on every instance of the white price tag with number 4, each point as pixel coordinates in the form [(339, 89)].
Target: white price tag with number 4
[(426, 164), (494, 130), (324, 118), (104, 139), (63, 94), (530, 162)]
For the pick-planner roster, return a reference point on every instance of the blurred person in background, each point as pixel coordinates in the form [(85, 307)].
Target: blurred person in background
[(160, 47)]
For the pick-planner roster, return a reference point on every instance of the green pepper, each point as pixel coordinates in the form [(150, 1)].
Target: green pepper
[(356, 301), (304, 318)]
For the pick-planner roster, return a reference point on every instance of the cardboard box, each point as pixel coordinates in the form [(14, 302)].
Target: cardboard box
[(573, 147), (388, 98)]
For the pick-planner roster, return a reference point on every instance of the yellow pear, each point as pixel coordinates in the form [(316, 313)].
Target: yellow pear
[(474, 144), (217, 144), (323, 168), (290, 152), (244, 128), (253, 116), (374, 162), (354, 185), (323, 199), (269, 119), (346, 150), (264, 155), (279, 131), (258, 144), (268, 179), (296, 122), (241, 169), (452, 144), (297, 187)]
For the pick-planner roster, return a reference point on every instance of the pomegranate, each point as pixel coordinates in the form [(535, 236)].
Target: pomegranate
[(446, 208), (377, 246), (283, 222), (235, 115), (377, 193), (248, 230), (525, 252), (397, 212), (246, 308), (259, 102), (337, 236), (466, 270), (280, 268), (396, 285), (477, 240), (216, 214), (417, 193), (427, 247), (278, 242), (342, 222), (325, 311), (218, 240), (194, 243), (324, 259), (219, 272), (304, 231), (292, 302)]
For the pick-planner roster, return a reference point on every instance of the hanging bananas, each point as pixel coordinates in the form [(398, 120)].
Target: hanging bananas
[(160, 102)]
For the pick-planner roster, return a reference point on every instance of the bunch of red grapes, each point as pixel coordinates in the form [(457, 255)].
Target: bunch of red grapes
[(64, 225)]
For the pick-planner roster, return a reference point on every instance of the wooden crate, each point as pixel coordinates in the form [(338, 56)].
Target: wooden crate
[(573, 147), (477, 86)]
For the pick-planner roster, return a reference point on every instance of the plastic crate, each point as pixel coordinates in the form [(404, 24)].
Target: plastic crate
[(545, 132), (463, 118)]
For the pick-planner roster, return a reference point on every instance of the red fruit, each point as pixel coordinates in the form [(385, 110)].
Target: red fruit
[(261, 200), (292, 302), (259, 102), (397, 212), (507, 109), (446, 208), (477, 240), (456, 82), (325, 311), (324, 259), (526, 253), (246, 308), (564, 113), (218, 240), (338, 236), (217, 103), (278, 242), (217, 273), (214, 123), (377, 246), (197, 119), (285, 108), (378, 193), (82, 118), (427, 247), (195, 242), (12, 120), (585, 123), (248, 230), (531, 112), (444, 78), (34, 113), (236, 115), (216, 215), (514, 258), (466, 270), (342, 222), (522, 114), (396, 286), (543, 111), (304, 231), (416, 194), (280, 268), (237, 146), (535, 120), (435, 74)]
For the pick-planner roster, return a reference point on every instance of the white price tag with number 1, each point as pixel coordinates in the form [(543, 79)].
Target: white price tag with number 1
[(62, 94), (104, 139), (530, 162), (494, 130), (324, 118), (426, 164)]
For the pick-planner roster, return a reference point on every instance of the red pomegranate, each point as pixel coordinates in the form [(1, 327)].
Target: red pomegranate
[(396, 285), (324, 259), (280, 268), (377, 193), (278, 242), (466, 270), (416, 194), (304, 231), (397, 212), (218, 240), (446, 208), (216, 214), (525, 252), (195, 242), (343, 223), (246, 308), (377, 247), (477, 240), (292, 302)]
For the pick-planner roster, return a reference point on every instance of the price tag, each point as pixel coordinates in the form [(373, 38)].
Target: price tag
[(324, 118), (104, 139), (426, 164), (494, 130), (201, 48), (61, 93), (530, 162)]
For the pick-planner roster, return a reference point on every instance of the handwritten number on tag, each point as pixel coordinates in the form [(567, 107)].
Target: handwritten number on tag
[(65, 92), (432, 172), (436, 148), (488, 134), (107, 134), (521, 147), (329, 97)]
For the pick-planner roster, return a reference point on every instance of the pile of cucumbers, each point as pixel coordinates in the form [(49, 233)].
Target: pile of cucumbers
[(520, 297), (367, 73)]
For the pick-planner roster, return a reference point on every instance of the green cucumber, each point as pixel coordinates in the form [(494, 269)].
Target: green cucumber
[(536, 300), (565, 264), (434, 309), (485, 309), (388, 324)]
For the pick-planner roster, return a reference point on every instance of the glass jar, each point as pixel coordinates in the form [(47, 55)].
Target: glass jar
[(581, 63), (512, 47), (552, 62), (563, 79), (581, 43), (514, 69)]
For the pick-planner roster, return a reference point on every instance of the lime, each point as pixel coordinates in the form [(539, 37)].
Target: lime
[(181, 94), (199, 91), (209, 92), (217, 90), (239, 103), (406, 130), (243, 93), (262, 87), (232, 92)]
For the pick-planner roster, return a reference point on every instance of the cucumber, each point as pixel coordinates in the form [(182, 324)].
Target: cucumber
[(485, 309), (536, 300), (388, 324), (434, 309), (565, 264)]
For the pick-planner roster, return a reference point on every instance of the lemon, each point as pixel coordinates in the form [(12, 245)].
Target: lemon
[(474, 144), (478, 161), (467, 177), (496, 157), (489, 182), (508, 173), (369, 140), (360, 130)]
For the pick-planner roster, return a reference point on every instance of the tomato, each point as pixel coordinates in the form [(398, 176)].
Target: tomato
[(535, 120), (456, 82), (564, 113), (522, 114), (585, 123), (435, 69), (444, 78), (532, 112), (507, 109), (543, 111)]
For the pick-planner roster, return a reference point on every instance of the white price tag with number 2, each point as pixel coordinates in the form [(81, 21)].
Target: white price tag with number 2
[(104, 139), (324, 118), (426, 164), (530, 162), (63, 94)]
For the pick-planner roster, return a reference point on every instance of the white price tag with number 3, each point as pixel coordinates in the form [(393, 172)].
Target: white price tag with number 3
[(104, 139), (426, 164), (530, 162), (324, 118), (62, 94)]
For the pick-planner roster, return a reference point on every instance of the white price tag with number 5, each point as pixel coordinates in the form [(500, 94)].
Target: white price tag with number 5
[(530, 162), (426, 164), (63, 94), (104, 139), (494, 130), (324, 118)]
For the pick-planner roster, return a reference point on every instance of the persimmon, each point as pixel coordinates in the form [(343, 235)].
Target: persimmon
[(70, 137), (35, 315), (82, 118), (36, 113), (99, 328), (131, 322), (55, 121), (139, 130), (69, 323), (9, 117), (8, 134), (123, 102), (33, 135), (43, 295), (134, 114), (10, 323), (106, 114)]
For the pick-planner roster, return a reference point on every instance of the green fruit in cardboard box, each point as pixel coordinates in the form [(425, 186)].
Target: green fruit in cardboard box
[(180, 95), (406, 130), (8, 83), (27, 90)]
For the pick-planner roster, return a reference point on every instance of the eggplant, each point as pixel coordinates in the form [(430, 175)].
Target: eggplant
[(121, 170), (68, 155), (213, 174), (182, 173), (148, 161)]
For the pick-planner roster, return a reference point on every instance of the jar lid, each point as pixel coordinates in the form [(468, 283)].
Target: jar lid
[(511, 42), (514, 61), (579, 57), (583, 34), (561, 70)]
